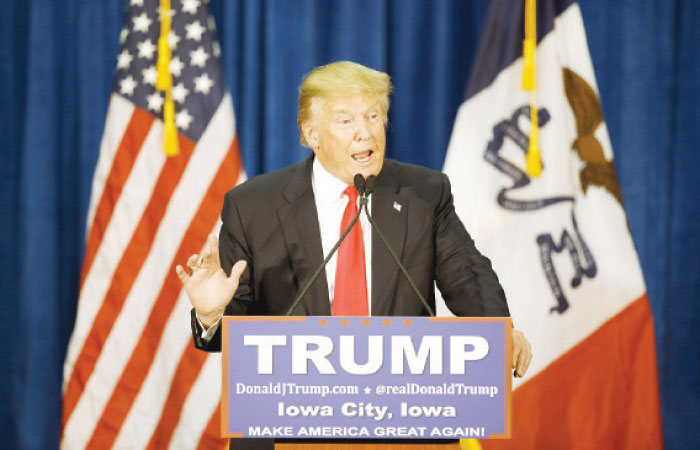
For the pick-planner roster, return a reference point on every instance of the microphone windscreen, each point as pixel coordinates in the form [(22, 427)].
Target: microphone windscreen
[(359, 183), (369, 184)]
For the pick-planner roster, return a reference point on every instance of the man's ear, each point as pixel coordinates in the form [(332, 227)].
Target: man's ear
[(310, 134)]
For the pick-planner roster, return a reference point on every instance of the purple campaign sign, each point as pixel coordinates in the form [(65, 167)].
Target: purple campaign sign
[(366, 377)]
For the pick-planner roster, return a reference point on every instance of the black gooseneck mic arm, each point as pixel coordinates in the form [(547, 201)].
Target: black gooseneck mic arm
[(359, 181), (369, 187)]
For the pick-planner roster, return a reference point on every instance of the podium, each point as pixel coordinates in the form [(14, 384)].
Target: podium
[(346, 383), (353, 446)]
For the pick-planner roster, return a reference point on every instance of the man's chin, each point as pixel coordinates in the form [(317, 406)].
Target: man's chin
[(364, 170), (368, 172)]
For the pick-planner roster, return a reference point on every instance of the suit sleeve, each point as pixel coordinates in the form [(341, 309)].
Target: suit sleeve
[(233, 246), (464, 276)]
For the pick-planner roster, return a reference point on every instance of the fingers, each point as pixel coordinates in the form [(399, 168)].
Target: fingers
[(522, 353), (182, 274), (517, 350), (192, 262), (237, 270), (210, 255), (526, 357)]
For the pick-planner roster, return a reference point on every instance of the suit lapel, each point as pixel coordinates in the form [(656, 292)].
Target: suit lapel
[(302, 237), (390, 212)]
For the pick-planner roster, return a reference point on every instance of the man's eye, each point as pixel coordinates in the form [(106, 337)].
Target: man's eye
[(373, 116)]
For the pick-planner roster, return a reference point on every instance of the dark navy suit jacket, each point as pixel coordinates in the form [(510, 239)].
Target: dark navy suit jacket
[(272, 223)]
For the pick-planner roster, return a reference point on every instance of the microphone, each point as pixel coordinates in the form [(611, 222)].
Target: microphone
[(360, 185), (369, 184), (359, 182), (368, 188)]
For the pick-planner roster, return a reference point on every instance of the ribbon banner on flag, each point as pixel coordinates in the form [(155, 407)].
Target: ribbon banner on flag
[(558, 241), (169, 153)]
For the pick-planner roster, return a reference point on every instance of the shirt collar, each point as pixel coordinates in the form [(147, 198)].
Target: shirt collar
[(327, 188)]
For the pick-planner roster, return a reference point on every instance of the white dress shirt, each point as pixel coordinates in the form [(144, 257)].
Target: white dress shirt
[(330, 206)]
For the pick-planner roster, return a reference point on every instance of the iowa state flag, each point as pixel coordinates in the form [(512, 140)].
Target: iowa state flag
[(559, 242)]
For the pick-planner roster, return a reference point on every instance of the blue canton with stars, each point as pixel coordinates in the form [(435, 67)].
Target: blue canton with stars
[(198, 83)]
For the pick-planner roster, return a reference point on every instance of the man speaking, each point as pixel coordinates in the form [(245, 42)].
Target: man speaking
[(278, 227)]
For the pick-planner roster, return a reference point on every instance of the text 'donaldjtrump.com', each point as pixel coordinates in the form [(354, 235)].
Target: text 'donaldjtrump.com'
[(366, 378)]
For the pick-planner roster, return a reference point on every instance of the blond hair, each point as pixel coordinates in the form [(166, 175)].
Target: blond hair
[(340, 79)]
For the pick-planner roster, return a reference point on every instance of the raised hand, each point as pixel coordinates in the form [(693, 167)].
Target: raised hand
[(207, 286)]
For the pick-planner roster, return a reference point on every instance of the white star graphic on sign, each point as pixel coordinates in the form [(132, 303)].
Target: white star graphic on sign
[(155, 101), (127, 86), (123, 34), (190, 6), (173, 39), (124, 60), (211, 23), (146, 49), (216, 48), (179, 93), (199, 57), (150, 75), (176, 66), (183, 119), (136, 2), (203, 84), (142, 22), (195, 30)]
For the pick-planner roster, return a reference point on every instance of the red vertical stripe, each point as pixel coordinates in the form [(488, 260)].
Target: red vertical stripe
[(601, 394), (187, 371), (127, 271), (129, 147), (142, 357), (211, 439)]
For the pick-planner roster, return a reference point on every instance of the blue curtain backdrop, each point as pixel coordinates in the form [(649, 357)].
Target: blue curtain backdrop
[(55, 78)]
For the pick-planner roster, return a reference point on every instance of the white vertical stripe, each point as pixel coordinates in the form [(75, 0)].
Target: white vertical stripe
[(144, 415), (184, 203), (201, 402), (127, 213), (115, 126)]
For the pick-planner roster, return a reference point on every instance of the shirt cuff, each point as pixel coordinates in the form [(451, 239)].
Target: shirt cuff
[(208, 333)]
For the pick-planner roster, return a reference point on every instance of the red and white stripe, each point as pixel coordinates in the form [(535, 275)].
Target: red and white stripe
[(131, 372)]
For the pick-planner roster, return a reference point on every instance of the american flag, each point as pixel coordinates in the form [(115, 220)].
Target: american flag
[(132, 378)]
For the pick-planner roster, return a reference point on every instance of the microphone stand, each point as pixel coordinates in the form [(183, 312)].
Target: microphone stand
[(370, 187), (364, 188)]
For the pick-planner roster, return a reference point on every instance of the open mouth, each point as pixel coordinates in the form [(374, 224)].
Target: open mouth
[(362, 157)]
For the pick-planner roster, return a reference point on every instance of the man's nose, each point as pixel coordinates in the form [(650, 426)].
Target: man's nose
[(362, 130)]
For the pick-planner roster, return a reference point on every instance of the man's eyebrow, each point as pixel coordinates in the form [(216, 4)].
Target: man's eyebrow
[(341, 110), (373, 106)]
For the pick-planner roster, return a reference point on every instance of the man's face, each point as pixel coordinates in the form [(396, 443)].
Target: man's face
[(347, 136)]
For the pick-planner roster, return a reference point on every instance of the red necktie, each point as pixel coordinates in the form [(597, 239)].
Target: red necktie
[(350, 294)]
